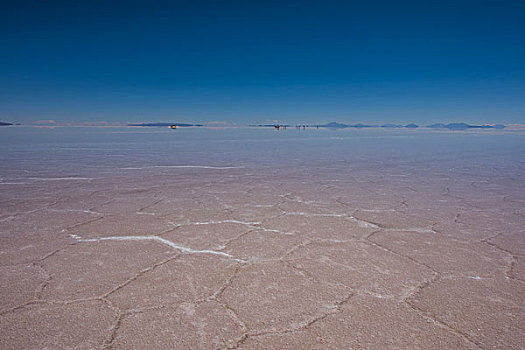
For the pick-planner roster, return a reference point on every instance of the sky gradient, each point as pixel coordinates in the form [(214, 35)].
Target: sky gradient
[(257, 61)]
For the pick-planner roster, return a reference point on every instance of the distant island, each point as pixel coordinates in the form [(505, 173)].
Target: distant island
[(270, 125), (331, 125), (164, 124), (336, 125), (464, 126)]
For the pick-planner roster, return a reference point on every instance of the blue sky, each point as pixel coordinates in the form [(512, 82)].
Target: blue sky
[(257, 61)]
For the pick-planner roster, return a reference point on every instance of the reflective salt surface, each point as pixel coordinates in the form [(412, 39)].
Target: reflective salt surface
[(145, 238)]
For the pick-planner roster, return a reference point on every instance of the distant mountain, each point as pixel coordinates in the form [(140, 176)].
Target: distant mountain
[(464, 126), (360, 126), (392, 126), (437, 126), (458, 126), (412, 126), (334, 125), (164, 124), (481, 127), (5, 124)]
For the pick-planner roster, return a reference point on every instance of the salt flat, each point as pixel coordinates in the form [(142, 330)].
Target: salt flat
[(204, 239)]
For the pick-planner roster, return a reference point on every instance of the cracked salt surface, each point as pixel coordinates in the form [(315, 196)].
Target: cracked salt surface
[(360, 222), (276, 256)]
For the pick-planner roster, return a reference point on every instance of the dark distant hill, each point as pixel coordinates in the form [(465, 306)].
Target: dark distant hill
[(409, 126), (392, 126), (334, 125), (164, 124), (437, 126), (412, 126), (458, 126), (360, 126), (5, 124), (464, 126)]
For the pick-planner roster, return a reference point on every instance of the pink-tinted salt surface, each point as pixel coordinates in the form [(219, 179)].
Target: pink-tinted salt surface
[(321, 243)]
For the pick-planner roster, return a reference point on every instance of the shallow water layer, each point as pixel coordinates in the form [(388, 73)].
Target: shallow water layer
[(261, 239)]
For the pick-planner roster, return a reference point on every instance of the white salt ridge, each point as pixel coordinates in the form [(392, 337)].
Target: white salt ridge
[(360, 223), (418, 230), (377, 210), (87, 211), (198, 166), (225, 221), (184, 166), (374, 295), (478, 278), (155, 239), (58, 178), (7, 218), (92, 212), (363, 223), (300, 213), (298, 199), (276, 231), (412, 229)]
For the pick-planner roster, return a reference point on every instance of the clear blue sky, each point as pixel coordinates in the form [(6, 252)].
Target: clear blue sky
[(257, 61)]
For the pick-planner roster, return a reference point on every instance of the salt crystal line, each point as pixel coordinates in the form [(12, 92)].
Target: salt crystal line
[(156, 239), (225, 221), (184, 166), (197, 166), (58, 178), (413, 229), (300, 213)]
